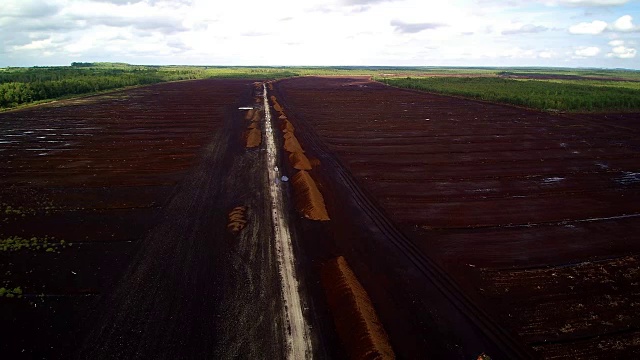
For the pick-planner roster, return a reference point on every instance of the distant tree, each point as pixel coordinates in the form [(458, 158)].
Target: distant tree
[(81, 64)]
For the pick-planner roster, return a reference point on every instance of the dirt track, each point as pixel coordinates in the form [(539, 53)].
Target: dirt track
[(497, 196), (297, 333)]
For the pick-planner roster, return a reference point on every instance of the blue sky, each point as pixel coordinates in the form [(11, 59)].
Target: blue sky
[(566, 33)]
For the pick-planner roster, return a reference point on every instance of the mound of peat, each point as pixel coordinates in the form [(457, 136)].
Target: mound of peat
[(299, 161), (253, 137), (287, 126), (291, 143), (257, 116), (308, 199), (276, 105), (355, 319), (237, 220), (250, 113)]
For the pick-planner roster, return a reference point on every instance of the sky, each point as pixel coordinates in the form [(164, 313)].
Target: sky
[(558, 33)]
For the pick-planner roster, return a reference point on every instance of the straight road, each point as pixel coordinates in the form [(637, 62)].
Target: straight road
[(297, 335)]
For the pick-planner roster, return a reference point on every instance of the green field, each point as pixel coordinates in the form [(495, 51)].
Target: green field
[(576, 90), (561, 95)]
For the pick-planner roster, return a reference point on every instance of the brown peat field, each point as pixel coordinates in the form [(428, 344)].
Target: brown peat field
[(324, 217)]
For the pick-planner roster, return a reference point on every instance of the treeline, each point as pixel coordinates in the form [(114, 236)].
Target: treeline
[(539, 94), (23, 86), (20, 86)]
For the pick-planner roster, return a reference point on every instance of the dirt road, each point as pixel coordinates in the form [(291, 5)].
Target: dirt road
[(298, 342)]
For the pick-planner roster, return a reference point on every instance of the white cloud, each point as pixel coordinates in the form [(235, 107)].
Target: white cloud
[(316, 32), (517, 52), (410, 28), (554, 3), (546, 54), (140, 15), (623, 52), (35, 45), (588, 28), (591, 2), (25, 9), (524, 29), (624, 23), (620, 50), (587, 51), (364, 2)]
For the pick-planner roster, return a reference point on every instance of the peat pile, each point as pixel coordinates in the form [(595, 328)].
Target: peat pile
[(253, 136), (299, 161), (249, 114), (291, 143), (286, 125), (354, 316), (237, 220), (257, 116), (308, 198)]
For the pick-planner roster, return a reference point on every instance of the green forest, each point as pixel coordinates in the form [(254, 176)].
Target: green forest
[(20, 86), (575, 90), (570, 95)]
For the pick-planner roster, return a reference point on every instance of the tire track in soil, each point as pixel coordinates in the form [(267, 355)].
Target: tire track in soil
[(193, 290), (469, 322)]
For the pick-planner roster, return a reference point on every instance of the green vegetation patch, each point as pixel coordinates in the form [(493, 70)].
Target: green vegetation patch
[(11, 292), (568, 95), (20, 86), (46, 243), (24, 86), (16, 211)]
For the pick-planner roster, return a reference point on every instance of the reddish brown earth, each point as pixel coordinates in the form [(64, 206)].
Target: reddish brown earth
[(109, 173), (534, 215)]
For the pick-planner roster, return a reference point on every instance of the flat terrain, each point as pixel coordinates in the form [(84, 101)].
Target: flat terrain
[(134, 181), (535, 215), (472, 227)]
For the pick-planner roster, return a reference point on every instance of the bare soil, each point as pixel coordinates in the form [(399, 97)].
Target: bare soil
[(473, 227), (141, 183)]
